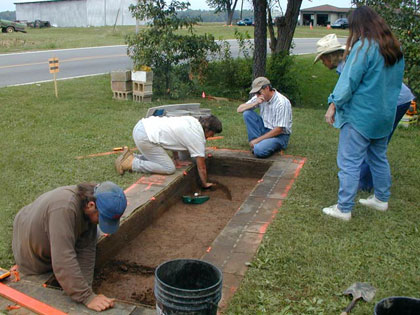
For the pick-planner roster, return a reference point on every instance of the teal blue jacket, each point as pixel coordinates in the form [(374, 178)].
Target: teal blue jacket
[(367, 91)]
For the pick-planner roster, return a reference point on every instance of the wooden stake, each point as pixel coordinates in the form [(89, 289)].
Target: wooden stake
[(55, 85)]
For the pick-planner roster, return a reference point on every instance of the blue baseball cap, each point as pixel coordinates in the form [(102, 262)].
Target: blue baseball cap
[(111, 203)]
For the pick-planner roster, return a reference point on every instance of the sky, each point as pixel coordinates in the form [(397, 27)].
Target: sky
[(7, 5)]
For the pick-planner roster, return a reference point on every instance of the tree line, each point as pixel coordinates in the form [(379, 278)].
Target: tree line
[(8, 15), (211, 16)]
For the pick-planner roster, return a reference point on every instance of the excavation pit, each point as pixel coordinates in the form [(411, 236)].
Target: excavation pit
[(181, 231), (223, 232)]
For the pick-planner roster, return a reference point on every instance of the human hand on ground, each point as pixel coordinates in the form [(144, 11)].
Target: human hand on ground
[(329, 115), (101, 303), (207, 185)]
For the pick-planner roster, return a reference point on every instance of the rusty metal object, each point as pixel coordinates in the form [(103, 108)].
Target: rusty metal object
[(359, 290)]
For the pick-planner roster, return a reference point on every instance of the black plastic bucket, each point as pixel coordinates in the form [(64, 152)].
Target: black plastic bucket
[(398, 305), (187, 286)]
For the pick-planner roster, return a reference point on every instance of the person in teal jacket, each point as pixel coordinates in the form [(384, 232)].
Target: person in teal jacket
[(331, 53), (363, 106)]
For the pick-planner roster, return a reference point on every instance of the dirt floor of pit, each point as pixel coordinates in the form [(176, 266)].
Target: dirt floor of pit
[(184, 231)]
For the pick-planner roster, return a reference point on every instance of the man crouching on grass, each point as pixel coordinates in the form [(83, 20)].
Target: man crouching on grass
[(269, 131), (58, 233)]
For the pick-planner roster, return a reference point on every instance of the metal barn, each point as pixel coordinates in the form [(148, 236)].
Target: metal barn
[(79, 13)]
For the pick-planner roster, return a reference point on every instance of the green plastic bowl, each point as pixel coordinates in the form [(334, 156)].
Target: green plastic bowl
[(195, 200)]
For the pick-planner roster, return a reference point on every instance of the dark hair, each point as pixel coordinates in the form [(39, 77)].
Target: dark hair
[(85, 192), (269, 86), (211, 123), (263, 87), (365, 23)]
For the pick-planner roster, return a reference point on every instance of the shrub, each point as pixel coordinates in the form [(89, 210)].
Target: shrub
[(160, 47), (280, 72), (228, 76)]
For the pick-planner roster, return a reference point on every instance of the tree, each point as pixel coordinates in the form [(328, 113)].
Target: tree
[(260, 37), (160, 47), (210, 16), (286, 26), (8, 15), (227, 6), (403, 16)]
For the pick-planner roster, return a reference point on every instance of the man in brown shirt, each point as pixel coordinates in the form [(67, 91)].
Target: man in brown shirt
[(58, 233)]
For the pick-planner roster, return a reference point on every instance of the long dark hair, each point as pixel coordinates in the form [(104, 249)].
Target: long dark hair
[(85, 192), (365, 23)]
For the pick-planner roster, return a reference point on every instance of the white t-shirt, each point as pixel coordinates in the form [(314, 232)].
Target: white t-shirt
[(176, 134)]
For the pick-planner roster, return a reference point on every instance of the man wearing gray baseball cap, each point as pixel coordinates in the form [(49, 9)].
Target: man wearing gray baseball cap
[(58, 233), (269, 131)]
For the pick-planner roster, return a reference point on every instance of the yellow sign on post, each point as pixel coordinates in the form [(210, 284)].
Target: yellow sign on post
[(54, 68), (53, 65)]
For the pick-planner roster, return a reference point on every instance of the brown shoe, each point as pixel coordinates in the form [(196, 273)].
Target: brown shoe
[(124, 162)]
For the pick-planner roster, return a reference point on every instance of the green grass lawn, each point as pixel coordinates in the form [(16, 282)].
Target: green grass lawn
[(306, 259), (74, 37)]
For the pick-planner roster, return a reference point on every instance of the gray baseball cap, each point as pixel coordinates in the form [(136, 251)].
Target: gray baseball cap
[(258, 83)]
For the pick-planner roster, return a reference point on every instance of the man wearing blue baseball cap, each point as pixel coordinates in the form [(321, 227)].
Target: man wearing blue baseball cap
[(58, 233)]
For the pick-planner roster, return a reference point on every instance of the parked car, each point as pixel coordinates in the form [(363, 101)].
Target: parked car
[(39, 24), (10, 26), (341, 23), (245, 22)]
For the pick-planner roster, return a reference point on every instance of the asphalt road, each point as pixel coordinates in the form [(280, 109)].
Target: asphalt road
[(32, 67)]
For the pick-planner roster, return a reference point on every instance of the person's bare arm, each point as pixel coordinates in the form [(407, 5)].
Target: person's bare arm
[(202, 172), (271, 134), (243, 107), (329, 115)]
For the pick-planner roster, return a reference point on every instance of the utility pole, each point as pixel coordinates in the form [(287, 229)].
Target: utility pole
[(104, 12)]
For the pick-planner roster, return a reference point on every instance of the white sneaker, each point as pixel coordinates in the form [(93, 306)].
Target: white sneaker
[(374, 203), (336, 213)]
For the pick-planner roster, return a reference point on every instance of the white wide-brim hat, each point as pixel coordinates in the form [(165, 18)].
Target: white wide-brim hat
[(327, 44)]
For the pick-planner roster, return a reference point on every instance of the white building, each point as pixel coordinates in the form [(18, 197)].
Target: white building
[(82, 13), (322, 15)]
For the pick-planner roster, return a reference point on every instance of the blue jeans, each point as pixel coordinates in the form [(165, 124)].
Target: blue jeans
[(366, 182), (353, 148), (255, 128)]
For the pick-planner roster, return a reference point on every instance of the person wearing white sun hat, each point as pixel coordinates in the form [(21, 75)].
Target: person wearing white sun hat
[(331, 53), (363, 106), (327, 46)]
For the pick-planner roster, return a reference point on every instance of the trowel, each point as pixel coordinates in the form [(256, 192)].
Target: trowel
[(359, 290)]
